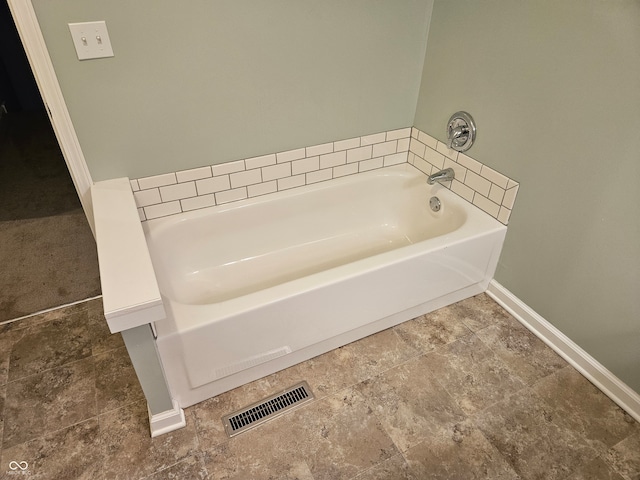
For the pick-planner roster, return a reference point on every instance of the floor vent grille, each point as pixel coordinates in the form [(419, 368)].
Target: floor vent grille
[(267, 409)]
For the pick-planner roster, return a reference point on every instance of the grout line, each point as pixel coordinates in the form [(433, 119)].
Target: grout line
[(52, 309)]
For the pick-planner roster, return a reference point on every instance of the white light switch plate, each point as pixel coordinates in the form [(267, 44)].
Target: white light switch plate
[(91, 40)]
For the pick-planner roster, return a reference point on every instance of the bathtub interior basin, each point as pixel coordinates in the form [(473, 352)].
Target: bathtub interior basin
[(256, 286)]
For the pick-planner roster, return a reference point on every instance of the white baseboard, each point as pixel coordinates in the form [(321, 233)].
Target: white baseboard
[(595, 372), (167, 421)]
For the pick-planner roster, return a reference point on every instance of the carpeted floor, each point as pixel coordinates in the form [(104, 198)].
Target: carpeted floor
[(47, 252)]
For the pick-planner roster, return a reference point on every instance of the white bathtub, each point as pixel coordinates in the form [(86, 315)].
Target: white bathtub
[(255, 286)]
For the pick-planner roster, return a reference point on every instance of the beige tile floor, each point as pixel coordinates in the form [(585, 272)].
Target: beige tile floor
[(463, 393)]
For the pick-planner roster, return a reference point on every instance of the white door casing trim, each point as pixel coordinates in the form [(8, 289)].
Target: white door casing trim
[(33, 42)]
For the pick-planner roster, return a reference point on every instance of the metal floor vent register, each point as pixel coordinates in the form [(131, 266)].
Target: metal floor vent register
[(271, 407)]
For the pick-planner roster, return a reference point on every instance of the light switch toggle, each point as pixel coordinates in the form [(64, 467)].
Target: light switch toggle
[(91, 40)]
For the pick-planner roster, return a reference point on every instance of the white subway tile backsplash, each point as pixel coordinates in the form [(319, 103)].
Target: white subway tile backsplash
[(487, 205), (395, 159), (417, 147), (261, 161), (145, 198), (231, 195), (319, 176), (227, 168), (359, 154), (403, 144), (424, 166), (342, 170), (193, 174), (291, 182), (469, 163), (212, 185), (276, 171), (496, 194), (462, 190), (178, 191), (428, 140), (479, 184), (460, 171), (346, 144), (494, 177), (386, 148), (371, 139), (333, 159), (262, 188), (434, 158), (201, 201), (484, 187), (203, 187), (290, 155), (157, 181), (162, 210), (319, 149), (446, 151), (504, 214), (248, 177), (305, 165), (371, 164), (400, 133), (510, 197)]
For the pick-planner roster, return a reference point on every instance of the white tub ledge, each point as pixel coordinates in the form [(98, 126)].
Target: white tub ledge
[(130, 295)]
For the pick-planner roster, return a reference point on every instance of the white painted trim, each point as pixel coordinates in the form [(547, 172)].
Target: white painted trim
[(594, 371), (26, 22), (167, 421)]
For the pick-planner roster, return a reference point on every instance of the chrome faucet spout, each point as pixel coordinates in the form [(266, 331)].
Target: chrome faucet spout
[(445, 175)]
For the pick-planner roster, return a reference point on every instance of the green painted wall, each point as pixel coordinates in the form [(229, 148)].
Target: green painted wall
[(202, 82), (554, 87)]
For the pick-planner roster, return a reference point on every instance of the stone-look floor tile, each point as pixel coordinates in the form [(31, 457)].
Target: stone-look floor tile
[(102, 340), (2, 398), (71, 453), (326, 374), (527, 356), (192, 468), (479, 312), (40, 318), (533, 437), (256, 454), (411, 405), (7, 341), (58, 342), (343, 436), (463, 453), (207, 415), (472, 374), (116, 382), (129, 451), (395, 468), (49, 401), (589, 411), (432, 330), (376, 353), (625, 457), (596, 469)]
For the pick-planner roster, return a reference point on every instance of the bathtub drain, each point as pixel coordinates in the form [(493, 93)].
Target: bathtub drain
[(267, 409)]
